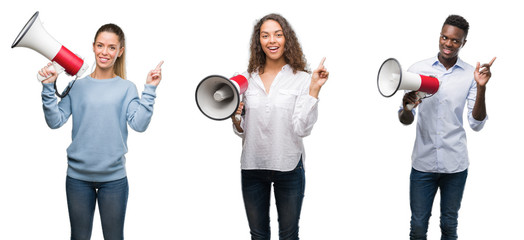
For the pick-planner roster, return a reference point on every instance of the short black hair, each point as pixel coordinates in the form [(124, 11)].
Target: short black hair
[(458, 21)]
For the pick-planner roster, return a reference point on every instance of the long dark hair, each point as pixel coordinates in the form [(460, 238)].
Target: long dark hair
[(293, 54)]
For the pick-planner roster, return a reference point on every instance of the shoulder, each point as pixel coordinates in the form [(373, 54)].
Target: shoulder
[(466, 66), (125, 83), (425, 62)]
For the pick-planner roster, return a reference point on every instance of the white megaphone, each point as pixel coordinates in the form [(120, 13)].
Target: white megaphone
[(218, 97), (35, 37), (391, 78)]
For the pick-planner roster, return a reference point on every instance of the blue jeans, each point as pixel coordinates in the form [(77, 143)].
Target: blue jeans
[(112, 202), (423, 187), (289, 193)]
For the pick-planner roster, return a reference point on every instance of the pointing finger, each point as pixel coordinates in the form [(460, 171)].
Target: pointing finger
[(160, 64), (492, 60), (321, 65)]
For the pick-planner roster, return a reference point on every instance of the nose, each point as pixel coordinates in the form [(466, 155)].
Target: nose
[(272, 39), (448, 43)]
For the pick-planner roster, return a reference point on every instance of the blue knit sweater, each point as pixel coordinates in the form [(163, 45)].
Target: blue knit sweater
[(101, 111)]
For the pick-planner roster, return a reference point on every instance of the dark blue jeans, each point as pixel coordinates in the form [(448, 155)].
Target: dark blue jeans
[(423, 187), (289, 193), (112, 202)]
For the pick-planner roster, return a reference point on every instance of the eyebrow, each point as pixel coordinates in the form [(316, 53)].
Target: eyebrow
[(280, 30), (106, 44)]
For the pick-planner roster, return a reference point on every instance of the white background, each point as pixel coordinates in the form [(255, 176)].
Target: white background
[(184, 171)]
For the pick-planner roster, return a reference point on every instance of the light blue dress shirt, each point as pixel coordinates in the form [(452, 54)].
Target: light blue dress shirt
[(440, 144)]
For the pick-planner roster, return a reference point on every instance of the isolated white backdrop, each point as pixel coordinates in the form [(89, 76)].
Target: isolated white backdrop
[(184, 171)]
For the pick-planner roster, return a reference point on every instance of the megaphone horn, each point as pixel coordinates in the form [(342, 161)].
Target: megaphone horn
[(34, 36), (392, 78), (218, 97)]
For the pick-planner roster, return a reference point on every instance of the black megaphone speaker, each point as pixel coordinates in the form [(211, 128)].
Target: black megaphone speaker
[(218, 97), (34, 36), (392, 78)]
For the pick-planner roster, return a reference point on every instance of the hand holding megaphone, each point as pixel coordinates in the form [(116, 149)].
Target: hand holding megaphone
[(49, 73), (238, 113), (412, 99)]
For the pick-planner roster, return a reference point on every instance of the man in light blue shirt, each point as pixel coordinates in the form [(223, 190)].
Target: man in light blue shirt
[(440, 156)]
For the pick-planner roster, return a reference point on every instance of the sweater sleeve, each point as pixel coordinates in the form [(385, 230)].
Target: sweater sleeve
[(56, 114), (140, 110)]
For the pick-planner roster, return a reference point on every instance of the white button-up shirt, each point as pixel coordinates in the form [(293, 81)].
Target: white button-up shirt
[(275, 123), (440, 144)]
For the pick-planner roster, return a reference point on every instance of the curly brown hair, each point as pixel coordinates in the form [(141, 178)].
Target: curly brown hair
[(292, 50)]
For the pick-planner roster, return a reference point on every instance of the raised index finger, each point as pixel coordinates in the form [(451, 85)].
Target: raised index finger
[(492, 60), (159, 65), (322, 62)]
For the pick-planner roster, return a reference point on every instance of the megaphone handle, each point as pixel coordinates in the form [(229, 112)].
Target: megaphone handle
[(237, 116), (56, 67), (420, 95)]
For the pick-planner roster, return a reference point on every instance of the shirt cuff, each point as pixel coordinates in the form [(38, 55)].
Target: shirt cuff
[(150, 89), (240, 134), (477, 125)]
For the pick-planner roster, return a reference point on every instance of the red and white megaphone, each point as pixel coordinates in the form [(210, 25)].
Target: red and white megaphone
[(35, 37), (218, 97), (391, 78)]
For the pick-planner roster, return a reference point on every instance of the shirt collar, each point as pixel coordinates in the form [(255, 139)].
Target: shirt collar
[(284, 68), (461, 64)]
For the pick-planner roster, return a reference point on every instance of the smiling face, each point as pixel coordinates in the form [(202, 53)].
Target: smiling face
[(107, 49), (452, 39), (272, 40)]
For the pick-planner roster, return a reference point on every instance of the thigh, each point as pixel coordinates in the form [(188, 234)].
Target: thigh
[(256, 192), (451, 192), (289, 194), (422, 190), (112, 203), (81, 200)]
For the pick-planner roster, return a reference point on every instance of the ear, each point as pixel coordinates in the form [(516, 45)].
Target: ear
[(121, 51), (464, 43)]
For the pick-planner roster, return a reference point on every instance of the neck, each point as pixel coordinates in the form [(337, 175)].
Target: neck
[(103, 73), (447, 62), (274, 65)]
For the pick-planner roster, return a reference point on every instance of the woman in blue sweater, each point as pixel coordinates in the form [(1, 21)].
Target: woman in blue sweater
[(102, 105)]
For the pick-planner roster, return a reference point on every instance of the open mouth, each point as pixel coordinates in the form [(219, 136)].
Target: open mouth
[(273, 49), (447, 51)]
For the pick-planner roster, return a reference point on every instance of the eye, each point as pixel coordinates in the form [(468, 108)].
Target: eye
[(264, 36)]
